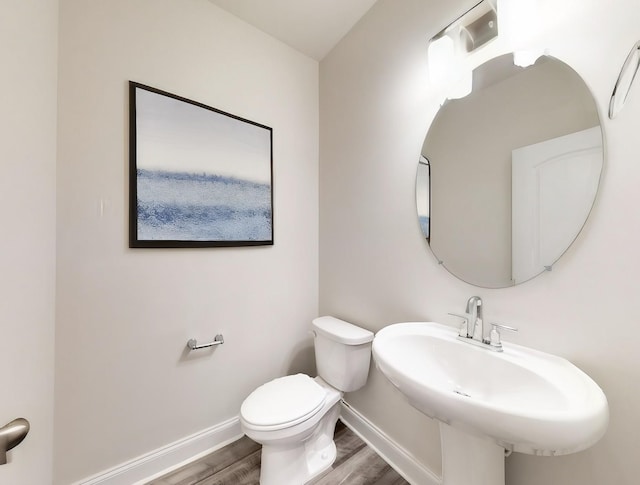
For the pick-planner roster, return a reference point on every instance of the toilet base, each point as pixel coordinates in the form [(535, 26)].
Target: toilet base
[(297, 463)]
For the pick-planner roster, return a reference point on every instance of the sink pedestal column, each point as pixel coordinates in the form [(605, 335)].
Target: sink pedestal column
[(469, 460)]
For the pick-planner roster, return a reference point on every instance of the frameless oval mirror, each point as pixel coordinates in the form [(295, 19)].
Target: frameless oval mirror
[(508, 174)]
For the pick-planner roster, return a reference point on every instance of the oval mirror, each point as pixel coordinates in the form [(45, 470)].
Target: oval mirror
[(508, 174)]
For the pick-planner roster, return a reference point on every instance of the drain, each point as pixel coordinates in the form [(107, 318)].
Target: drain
[(461, 393)]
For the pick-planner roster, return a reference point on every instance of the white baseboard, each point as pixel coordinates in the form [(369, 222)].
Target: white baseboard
[(169, 457), (400, 459)]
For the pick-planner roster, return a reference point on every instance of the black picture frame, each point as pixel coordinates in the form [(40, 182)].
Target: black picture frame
[(198, 176)]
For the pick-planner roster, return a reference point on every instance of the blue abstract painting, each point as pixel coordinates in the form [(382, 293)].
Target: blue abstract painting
[(199, 176)]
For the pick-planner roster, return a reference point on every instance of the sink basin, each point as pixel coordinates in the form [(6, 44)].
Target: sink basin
[(521, 399)]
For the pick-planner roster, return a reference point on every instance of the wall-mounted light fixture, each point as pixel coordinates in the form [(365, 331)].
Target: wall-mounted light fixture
[(449, 49)]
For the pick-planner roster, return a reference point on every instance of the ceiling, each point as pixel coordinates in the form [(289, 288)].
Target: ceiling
[(312, 27)]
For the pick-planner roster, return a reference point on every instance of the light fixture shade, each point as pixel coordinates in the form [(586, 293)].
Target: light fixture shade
[(448, 70), (520, 22), (527, 57), (442, 53)]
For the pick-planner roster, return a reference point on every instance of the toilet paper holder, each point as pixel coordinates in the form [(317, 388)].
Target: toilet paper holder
[(193, 343)]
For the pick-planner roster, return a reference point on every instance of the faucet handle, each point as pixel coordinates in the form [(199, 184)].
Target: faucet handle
[(494, 339), (464, 328)]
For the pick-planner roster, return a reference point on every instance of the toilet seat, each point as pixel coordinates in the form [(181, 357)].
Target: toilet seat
[(282, 403)]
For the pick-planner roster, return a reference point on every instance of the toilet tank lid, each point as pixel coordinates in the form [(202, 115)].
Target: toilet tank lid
[(341, 331)]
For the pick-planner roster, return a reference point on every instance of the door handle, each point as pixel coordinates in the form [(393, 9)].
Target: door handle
[(11, 435)]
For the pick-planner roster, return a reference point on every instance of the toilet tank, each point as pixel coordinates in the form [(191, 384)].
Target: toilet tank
[(343, 353)]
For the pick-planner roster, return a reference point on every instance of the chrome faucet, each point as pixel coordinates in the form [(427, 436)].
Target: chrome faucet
[(472, 329), (474, 310), (470, 320)]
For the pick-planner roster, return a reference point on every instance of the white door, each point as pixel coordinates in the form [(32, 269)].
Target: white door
[(28, 92), (554, 184)]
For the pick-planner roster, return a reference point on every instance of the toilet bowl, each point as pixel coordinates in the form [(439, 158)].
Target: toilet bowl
[(297, 439), (294, 417)]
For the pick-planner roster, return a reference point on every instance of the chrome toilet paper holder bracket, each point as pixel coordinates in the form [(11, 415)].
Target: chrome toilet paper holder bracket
[(193, 343)]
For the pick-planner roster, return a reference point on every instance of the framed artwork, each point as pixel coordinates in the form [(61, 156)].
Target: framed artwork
[(198, 177)]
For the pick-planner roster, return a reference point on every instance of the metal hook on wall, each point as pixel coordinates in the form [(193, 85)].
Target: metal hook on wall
[(625, 81)]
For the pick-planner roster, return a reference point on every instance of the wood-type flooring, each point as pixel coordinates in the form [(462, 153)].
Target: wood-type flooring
[(239, 464)]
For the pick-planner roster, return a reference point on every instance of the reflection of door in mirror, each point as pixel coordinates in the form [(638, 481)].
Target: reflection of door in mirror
[(553, 185), (423, 197)]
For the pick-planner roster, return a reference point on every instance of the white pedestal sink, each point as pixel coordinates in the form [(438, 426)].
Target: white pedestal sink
[(487, 402)]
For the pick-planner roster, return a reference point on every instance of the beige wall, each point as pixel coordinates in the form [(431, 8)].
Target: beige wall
[(28, 84), (125, 385), (376, 268)]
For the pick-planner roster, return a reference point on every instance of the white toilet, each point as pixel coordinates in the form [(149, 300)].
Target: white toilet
[(294, 417)]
